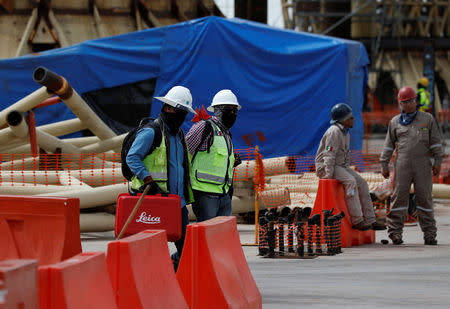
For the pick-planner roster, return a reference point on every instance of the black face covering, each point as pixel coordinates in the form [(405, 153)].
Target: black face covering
[(226, 114), (174, 120)]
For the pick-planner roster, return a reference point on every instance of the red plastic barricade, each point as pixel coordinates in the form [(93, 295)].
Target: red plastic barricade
[(79, 282), (156, 212), (142, 274), (213, 272), (330, 194), (42, 228), (18, 284)]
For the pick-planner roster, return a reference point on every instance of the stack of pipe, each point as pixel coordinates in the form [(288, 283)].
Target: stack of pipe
[(89, 176)]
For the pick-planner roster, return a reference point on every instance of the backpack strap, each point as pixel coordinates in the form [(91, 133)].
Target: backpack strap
[(207, 131)]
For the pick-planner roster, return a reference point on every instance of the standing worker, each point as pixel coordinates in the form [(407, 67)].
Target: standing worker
[(158, 156), (213, 159), (332, 162), (423, 95), (416, 136)]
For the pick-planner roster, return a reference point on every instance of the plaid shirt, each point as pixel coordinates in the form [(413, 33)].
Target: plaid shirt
[(194, 136)]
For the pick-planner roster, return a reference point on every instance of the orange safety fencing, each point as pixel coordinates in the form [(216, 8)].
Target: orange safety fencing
[(280, 181)]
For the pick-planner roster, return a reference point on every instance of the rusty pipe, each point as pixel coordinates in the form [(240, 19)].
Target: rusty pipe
[(53, 82), (73, 100)]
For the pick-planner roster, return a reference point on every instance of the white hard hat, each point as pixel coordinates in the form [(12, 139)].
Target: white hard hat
[(178, 97), (224, 97)]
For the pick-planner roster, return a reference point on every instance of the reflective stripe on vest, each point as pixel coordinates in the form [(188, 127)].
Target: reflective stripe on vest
[(212, 170)]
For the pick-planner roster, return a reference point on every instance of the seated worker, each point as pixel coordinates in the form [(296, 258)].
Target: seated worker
[(158, 156), (332, 162)]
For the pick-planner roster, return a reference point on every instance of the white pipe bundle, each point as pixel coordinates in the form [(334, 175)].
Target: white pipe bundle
[(94, 197), (25, 104), (96, 222), (92, 177), (114, 143), (66, 179), (275, 198), (272, 166), (283, 179), (20, 163), (33, 189), (12, 144), (278, 166), (245, 171), (312, 187)]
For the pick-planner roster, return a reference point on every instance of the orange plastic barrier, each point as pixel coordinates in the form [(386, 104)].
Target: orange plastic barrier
[(42, 228), (141, 272), (79, 282), (18, 284), (330, 194), (213, 272)]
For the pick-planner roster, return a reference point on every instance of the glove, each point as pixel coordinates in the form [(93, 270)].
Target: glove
[(154, 188), (237, 159), (231, 191)]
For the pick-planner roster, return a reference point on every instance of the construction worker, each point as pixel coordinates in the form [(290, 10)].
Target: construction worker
[(213, 159), (332, 162), (158, 156), (415, 135), (423, 95)]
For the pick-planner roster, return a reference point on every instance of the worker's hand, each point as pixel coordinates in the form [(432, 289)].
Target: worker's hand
[(385, 174), (237, 159), (154, 189), (436, 170)]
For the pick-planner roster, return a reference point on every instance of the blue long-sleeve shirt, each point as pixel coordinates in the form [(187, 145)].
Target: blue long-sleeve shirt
[(139, 150)]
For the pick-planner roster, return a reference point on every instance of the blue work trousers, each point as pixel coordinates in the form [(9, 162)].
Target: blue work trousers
[(207, 206)]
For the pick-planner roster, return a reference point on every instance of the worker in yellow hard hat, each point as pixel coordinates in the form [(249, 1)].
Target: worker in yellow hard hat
[(423, 96)]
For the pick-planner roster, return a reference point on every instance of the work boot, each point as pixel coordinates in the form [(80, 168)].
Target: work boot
[(362, 226), (396, 239), (378, 226), (430, 241)]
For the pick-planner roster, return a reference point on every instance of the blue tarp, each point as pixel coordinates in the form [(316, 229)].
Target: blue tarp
[(286, 81)]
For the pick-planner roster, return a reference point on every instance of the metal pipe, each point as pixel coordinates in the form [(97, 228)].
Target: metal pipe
[(26, 33), (98, 22), (18, 127), (49, 142), (94, 197), (62, 37), (25, 104), (114, 143), (71, 98)]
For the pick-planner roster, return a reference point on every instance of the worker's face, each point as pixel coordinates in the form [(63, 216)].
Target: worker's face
[(173, 117), (349, 122), (409, 106)]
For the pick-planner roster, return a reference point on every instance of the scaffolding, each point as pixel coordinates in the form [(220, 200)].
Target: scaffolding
[(398, 35)]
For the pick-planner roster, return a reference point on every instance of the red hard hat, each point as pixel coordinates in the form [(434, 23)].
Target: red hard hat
[(406, 93)]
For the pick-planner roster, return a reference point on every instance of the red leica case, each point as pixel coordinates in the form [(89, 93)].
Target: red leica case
[(156, 212)]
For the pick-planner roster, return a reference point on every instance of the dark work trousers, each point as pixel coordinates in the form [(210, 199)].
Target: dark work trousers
[(208, 206), (180, 242)]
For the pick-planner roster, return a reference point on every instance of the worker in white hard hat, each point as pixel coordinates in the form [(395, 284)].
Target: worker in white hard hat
[(213, 158), (160, 145)]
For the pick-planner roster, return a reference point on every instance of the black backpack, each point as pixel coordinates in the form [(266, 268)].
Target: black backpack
[(129, 139)]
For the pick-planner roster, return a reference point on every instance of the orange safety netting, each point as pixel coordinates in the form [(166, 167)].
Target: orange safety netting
[(279, 181)]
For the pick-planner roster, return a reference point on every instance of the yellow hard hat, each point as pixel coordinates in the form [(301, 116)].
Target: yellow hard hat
[(423, 81)]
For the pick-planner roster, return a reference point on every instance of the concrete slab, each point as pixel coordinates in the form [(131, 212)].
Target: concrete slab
[(370, 276)]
